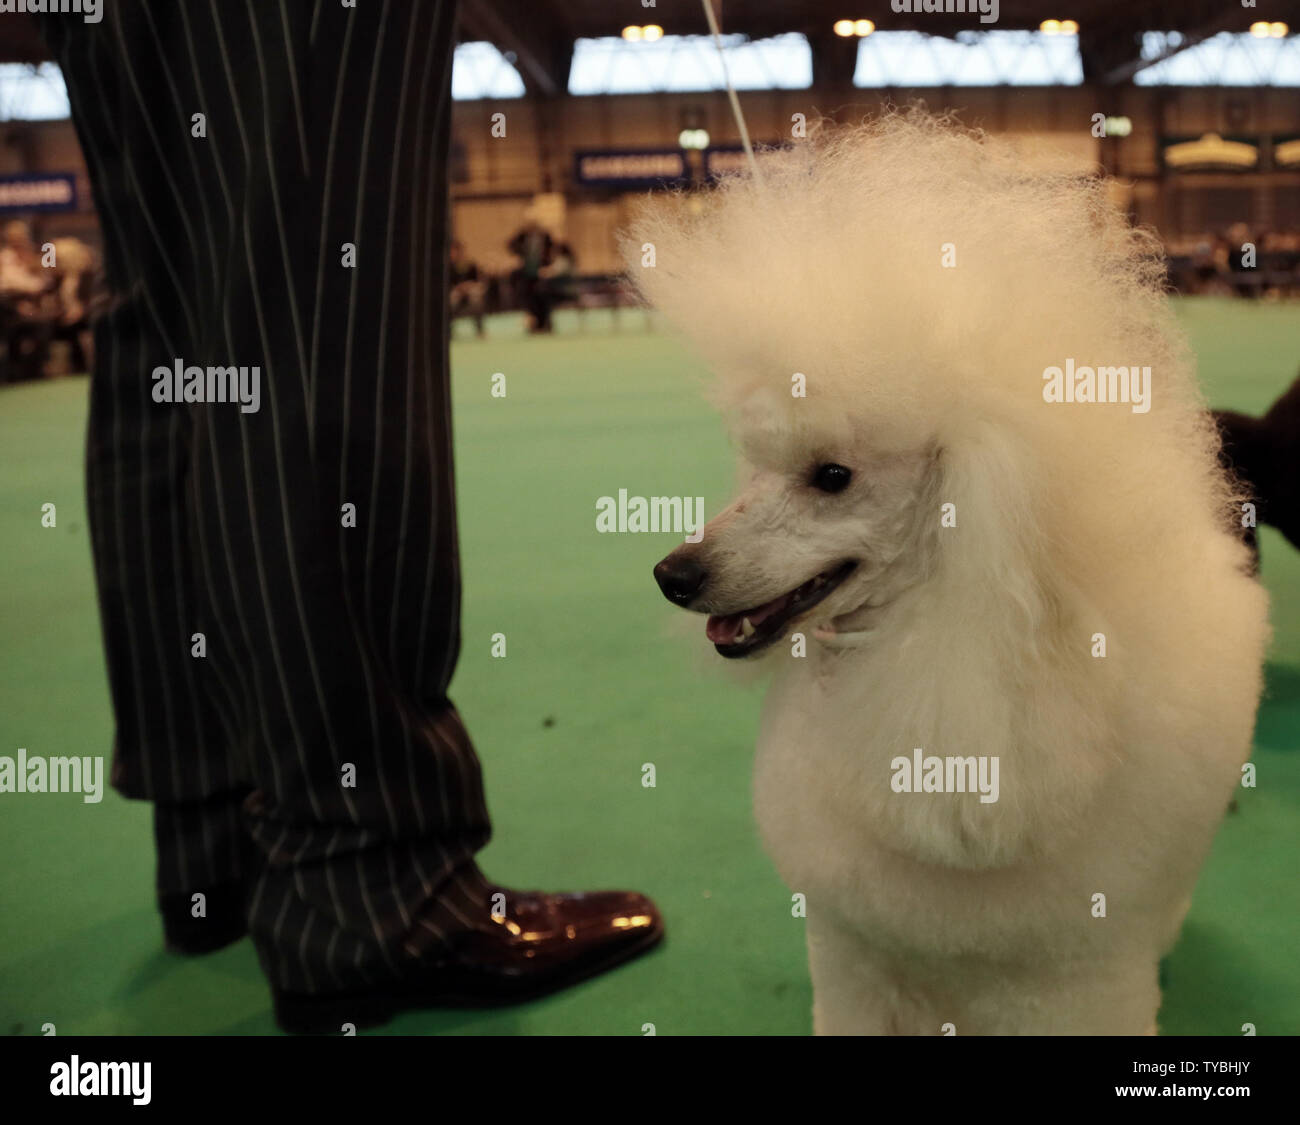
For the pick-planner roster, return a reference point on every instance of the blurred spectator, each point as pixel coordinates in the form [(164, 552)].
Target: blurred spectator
[(20, 263), (1219, 263), (467, 287), (46, 305), (534, 247), (558, 283), (27, 305), (78, 288), (1241, 264)]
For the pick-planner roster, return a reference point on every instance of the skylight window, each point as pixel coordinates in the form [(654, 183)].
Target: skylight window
[(32, 93), (479, 71), (689, 63), (973, 58), (1226, 59)]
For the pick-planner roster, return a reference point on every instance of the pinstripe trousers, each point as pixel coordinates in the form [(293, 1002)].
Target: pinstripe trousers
[(299, 225)]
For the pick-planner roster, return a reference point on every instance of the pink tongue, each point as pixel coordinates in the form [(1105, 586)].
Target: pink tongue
[(725, 630)]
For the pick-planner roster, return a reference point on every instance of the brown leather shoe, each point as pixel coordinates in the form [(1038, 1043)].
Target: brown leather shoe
[(541, 943)]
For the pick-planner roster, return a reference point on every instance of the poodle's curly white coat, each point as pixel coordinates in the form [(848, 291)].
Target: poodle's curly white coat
[(921, 280)]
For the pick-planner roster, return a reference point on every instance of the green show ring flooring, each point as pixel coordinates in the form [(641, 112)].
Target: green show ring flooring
[(601, 677)]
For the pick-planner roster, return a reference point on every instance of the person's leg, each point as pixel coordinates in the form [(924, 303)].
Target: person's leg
[(311, 542), (27, 348), (171, 743), (477, 307), (272, 181), (174, 719), (538, 306)]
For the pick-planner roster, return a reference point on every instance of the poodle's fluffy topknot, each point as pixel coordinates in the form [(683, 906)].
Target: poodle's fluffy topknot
[(868, 248), (923, 278)]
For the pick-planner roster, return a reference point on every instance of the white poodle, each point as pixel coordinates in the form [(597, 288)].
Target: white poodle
[(989, 552)]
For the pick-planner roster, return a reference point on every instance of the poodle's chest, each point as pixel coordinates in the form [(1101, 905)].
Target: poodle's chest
[(835, 781)]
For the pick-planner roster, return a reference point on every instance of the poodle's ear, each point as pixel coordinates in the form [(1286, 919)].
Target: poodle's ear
[(994, 546), (938, 456)]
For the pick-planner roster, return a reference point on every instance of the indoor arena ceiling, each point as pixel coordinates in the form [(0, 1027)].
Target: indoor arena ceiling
[(540, 33)]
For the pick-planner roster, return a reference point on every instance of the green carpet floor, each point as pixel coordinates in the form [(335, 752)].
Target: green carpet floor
[(598, 681)]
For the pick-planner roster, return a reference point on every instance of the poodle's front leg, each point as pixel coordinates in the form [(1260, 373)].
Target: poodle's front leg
[(855, 992), (858, 991)]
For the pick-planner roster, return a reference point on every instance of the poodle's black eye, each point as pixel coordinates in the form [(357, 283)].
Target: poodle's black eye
[(832, 478)]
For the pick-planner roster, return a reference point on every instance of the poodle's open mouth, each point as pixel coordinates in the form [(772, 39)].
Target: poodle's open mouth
[(744, 633)]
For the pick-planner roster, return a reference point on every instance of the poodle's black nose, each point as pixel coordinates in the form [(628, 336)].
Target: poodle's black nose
[(680, 579)]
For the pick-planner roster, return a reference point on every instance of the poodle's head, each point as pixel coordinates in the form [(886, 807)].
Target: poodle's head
[(881, 309), (826, 532)]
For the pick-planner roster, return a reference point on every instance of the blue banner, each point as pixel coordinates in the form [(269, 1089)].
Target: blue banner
[(630, 168), (51, 191), (722, 160)]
